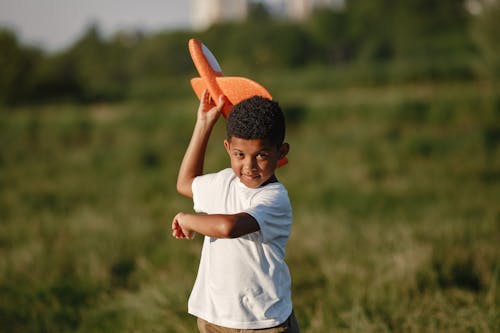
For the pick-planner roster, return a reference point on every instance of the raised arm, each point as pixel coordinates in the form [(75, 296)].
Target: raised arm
[(192, 163), (213, 225)]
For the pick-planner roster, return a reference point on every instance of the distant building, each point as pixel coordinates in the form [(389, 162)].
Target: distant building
[(208, 12), (299, 10)]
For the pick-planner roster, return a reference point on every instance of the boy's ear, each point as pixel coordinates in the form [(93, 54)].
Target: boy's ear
[(284, 149), (226, 145)]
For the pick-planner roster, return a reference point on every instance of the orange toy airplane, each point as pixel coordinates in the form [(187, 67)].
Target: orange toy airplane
[(211, 78)]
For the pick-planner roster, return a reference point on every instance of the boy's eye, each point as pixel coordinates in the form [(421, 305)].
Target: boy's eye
[(262, 156), (238, 154)]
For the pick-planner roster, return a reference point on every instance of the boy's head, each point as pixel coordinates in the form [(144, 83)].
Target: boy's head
[(255, 135), (257, 118)]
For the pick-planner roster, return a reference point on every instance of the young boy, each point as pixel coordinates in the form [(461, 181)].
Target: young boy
[(243, 282)]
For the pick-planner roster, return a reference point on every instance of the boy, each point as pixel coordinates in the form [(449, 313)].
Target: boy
[(243, 282)]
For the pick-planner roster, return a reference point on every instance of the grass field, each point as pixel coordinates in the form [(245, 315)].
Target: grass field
[(395, 191)]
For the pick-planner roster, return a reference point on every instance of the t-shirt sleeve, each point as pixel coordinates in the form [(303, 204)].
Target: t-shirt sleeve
[(200, 193), (206, 187), (273, 212)]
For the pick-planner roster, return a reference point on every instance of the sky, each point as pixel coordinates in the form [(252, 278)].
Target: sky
[(55, 24)]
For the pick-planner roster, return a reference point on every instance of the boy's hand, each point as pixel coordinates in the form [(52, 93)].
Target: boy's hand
[(208, 111), (178, 231)]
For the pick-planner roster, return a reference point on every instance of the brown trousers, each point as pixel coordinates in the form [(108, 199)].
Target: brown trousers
[(289, 326)]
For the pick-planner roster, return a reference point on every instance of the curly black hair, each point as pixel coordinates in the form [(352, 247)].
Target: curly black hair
[(257, 118)]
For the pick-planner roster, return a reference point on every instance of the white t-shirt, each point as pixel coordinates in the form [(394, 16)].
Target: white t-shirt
[(243, 282)]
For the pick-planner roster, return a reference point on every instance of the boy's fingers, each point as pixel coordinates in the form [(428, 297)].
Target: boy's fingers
[(206, 101), (176, 229), (178, 234), (222, 99), (205, 95), (221, 103)]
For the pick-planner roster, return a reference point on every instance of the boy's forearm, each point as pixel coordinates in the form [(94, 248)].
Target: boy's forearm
[(192, 163), (220, 225)]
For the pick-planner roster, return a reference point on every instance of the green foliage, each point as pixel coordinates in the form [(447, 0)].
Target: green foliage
[(161, 55), (273, 45), (486, 33), (330, 36), (56, 78), (101, 66), (369, 41), (16, 65)]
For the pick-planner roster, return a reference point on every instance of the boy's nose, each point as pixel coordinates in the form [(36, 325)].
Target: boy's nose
[(250, 164)]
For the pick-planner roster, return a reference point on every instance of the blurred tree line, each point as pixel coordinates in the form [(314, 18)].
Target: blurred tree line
[(388, 41)]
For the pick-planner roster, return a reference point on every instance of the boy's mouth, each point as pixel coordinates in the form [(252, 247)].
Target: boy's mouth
[(250, 177)]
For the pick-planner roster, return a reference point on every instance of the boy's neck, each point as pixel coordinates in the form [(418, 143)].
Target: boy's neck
[(271, 180)]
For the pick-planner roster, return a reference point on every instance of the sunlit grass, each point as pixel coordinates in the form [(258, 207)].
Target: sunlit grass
[(395, 192)]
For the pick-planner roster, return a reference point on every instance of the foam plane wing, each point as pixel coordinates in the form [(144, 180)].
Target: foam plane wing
[(235, 89), (211, 78)]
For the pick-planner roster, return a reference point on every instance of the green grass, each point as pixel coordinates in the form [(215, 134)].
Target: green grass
[(395, 193)]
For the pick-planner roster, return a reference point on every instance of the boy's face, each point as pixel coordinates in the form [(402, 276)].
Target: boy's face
[(254, 160)]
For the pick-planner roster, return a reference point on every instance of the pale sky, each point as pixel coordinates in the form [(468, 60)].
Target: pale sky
[(55, 24)]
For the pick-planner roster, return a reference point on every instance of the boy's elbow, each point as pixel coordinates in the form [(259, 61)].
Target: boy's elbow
[(184, 188), (232, 226), (227, 229), (180, 188)]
